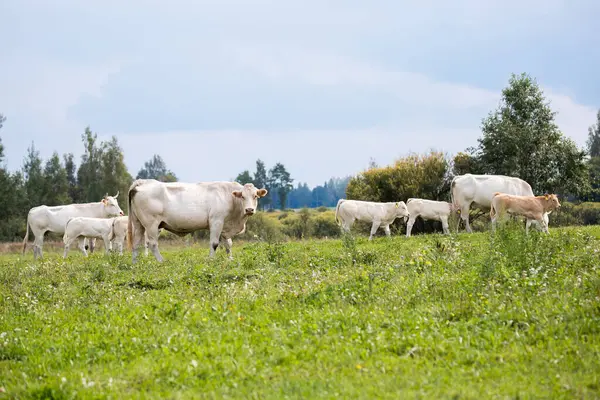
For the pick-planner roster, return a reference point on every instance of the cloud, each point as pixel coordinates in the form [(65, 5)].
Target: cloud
[(213, 85)]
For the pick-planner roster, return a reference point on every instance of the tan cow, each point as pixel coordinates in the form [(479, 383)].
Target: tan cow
[(530, 207)]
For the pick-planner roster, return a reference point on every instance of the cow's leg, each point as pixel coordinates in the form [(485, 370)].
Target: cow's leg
[(107, 244), (544, 224), (464, 215), (409, 224), (347, 224), (445, 228), (374, 228), (68, 244), (227, 243), (152, 235), (120, 246), (138, 235), (82, 245), (387, 231), (92, 244), (146, 246), (215, 233), (38, 243)]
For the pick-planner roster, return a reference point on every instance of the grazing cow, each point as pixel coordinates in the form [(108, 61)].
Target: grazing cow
[(533, 208), (479, 190), (78, 227), (42, 219), (119, 234), (428, 210), (379, 214), (182, 208)]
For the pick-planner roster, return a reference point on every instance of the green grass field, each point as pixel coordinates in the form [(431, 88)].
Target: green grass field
[(465, 316)]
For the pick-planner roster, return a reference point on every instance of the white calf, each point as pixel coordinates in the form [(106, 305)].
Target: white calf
[(87, 227), (428, 210)]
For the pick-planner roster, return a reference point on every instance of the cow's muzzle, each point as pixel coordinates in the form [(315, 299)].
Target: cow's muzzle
[(121, 213), (249, 211)]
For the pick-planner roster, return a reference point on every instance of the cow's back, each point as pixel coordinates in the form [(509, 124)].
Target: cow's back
[(480, 189)]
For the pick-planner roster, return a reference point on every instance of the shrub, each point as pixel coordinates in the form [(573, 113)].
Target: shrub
[(323, 226)]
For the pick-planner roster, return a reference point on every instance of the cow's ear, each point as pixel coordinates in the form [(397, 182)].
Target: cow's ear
[(237, 193), (105, 202), (546, 196), (262, 192), (397, 205)]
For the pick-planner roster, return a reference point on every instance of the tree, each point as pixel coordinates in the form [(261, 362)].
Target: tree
[(56, 182), (89, 174), (245, 177), (114, 175), (261, 181), (593, 141), (75, 192), (521, 139), (281, 182), (155, 168), (34, 177)]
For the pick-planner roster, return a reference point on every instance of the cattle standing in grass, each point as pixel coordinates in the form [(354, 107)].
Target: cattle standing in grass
[(182, 208), (80, 227), (428, 210), (378, 214), (479, 190), (532, 208), (42, 219), (119, 234)]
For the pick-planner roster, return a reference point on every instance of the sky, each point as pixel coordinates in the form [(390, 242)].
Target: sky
[(322, 86)]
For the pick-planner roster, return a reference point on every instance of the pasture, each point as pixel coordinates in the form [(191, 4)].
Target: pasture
[(431, 316)]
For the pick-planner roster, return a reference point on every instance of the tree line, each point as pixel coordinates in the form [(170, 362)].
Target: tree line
[(520, 138), (282, 193), (101, 170)]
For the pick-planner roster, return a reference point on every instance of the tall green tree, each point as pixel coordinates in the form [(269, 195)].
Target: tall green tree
[(244, 177), (113, 171), (12, 198), (281, 181), (520, 138), (75, 191), (593, 149), (89, 174), (261, 181), (155, 168), (56, 183), (593, 141), (35, 183)]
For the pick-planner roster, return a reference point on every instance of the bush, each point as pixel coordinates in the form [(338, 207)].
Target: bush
[(322, 209), (323, 226)]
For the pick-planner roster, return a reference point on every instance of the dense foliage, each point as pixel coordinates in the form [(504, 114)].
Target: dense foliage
[(468, 316)]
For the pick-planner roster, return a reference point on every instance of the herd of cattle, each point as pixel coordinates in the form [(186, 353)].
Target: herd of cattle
[(224, 207)]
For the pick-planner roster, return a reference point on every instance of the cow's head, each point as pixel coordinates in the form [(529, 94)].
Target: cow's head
[(249, 196), (111, 207), (401, 210), (552, 202)]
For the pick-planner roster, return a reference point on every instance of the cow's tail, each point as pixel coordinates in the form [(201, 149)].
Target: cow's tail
[(111, 234), (26, 235), (65, 235), (492, 210), (452, 186), (337, 207), (130, 212)]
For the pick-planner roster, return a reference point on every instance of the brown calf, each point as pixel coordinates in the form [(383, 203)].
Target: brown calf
[(530, 207)]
